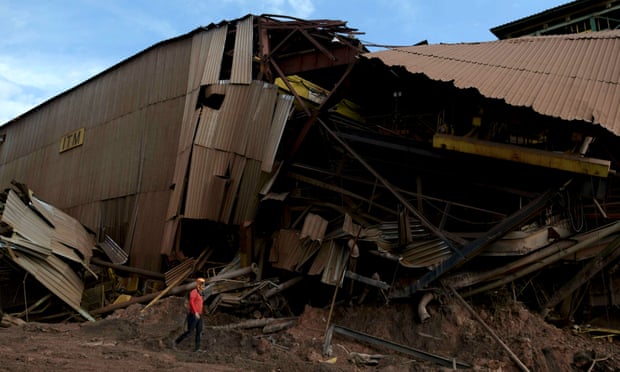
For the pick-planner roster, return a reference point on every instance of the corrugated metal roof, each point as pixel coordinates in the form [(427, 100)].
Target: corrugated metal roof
[(572, 77)]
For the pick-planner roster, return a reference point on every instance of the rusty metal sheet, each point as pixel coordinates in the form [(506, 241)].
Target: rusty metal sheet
[(284, 248), (243, 54), (425, 253), (115, 253), (335, 266), (322, 257), (25, 221), (55, 275), (289, 252), (314, 227), (67, 230)]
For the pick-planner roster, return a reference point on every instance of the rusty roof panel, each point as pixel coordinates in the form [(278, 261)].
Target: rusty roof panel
[(242, 58), (67, 230), (314, 227), (572, 77)]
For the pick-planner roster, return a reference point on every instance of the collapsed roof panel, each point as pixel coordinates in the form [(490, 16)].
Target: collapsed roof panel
[(572, 77)]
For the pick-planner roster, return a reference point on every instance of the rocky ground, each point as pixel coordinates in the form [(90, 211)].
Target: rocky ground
[(138, 339)]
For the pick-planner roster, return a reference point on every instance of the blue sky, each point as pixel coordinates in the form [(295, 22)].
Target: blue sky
[(49, 46)]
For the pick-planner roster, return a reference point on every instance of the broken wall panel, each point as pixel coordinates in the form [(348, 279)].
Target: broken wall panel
[(181, 165), (237, 170), (67, 230), (243, 54), (146, 229), (234, 117), (259, 128), (336, 265), (284, 249), (113, 251), (206, 165), (55, 275), (323, 255), (314, 227), (283, 109), (214, 55), (25, 221), (247, 201)]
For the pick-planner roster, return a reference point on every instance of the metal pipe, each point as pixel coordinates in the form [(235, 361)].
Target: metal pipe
[(175, 290), (151, 274), (422, 312), (283, 286)]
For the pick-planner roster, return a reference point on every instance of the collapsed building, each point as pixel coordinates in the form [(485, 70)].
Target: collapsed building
[(275, 147)]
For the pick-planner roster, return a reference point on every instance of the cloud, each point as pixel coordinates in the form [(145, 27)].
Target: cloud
[(14, 100), (28, 81), (301, 8), (238, 8)]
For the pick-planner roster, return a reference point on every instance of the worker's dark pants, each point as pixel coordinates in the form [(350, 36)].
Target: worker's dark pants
[(193, 324)]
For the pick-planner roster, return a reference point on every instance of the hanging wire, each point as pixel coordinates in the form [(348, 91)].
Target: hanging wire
[(576, 214)]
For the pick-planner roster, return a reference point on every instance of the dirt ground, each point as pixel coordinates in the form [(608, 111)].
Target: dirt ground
[(138, 339)]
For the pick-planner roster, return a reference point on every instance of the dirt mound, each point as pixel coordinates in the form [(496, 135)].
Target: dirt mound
[(138, 339)]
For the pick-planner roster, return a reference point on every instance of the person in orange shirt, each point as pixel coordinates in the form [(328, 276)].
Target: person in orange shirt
[(194, 315)]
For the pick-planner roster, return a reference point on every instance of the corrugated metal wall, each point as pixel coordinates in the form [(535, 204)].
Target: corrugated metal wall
[(132, 116), (230, 143), (143, 133)]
